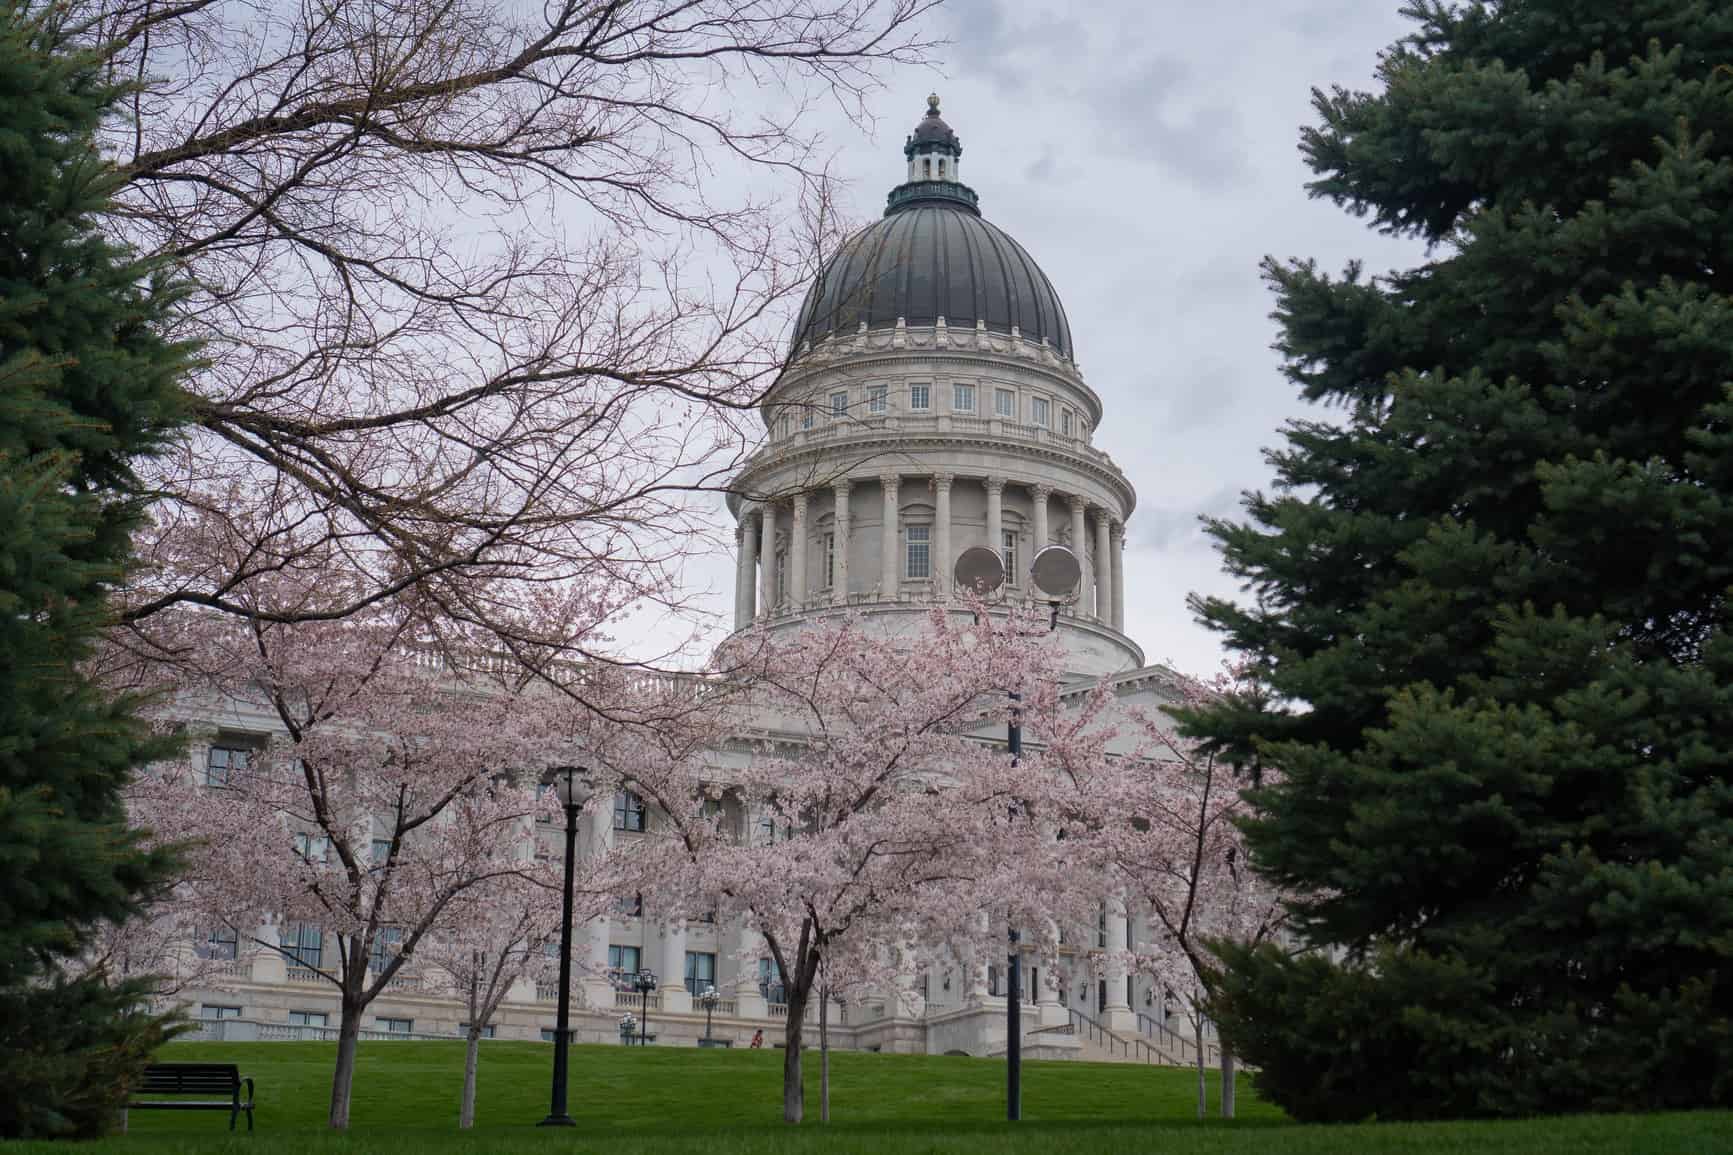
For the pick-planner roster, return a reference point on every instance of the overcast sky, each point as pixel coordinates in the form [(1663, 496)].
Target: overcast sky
[(1145, 155)]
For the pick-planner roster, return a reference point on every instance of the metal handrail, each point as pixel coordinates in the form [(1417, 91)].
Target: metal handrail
[(1133, 1048), (1187, 1047)]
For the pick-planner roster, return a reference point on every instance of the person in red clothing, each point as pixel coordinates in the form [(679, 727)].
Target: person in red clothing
[(758, 1038)]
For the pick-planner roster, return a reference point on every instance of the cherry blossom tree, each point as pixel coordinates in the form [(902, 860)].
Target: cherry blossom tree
[(876, 797), (1164, 835), (496, 935), (482, 288), (401, 791)]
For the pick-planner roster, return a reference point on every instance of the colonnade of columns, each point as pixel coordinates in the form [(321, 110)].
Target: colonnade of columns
[(757, 598)]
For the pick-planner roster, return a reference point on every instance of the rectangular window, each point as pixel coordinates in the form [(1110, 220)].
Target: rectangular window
[(787, 426), (1067, 423), (632, 907), (781, 590), (770, 982), (700, 971), (549, 1034), (303, 944), (1039, 411), (313, 847), (220, 943), (486, 1032), (214, 1011), (1004, 403), (919, 396), (396, 1026), (919, 547), (769, 832), (622, 961), (839, 404), (385, 947), (876, 399), (380, 851), (829, 560), (225, 765), (628, 811), (806, 418), (1009, 552), (309, 1019), (963, 398)]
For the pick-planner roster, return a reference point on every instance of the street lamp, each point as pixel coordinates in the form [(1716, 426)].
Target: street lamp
[(628, 1027), (709, 1000), (644, 982), (1056, 572), (573, 786)]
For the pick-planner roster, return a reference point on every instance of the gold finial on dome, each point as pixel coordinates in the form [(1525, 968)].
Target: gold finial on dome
[(933, 104)]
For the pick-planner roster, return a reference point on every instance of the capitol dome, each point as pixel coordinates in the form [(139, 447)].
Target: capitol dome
[(933, 256)]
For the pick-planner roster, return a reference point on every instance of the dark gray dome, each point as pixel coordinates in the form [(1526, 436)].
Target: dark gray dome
[(933, 256)]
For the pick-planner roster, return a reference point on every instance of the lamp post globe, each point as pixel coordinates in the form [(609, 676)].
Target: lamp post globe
[(709, 1001), (572, 786)]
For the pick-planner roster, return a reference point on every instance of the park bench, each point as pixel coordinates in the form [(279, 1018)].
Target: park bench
[(208, 1080)]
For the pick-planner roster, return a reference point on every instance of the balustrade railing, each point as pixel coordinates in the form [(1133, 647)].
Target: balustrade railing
[(633, 1001)]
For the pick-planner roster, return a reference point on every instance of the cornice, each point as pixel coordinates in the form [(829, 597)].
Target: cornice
[(873, 448), (936, 345)]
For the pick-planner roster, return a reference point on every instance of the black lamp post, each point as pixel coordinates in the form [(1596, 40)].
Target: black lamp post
[(628, 1026), (1056, 572), (574, 790), (709, 1000), (644, 982)]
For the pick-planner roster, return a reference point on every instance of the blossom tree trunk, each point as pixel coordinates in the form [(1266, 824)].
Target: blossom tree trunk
[(471, 1059), (1202, 1083), (343, 1072), (823, 1053), (1227, 1094)]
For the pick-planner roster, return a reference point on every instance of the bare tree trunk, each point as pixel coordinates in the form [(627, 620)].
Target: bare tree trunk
[(824, 1054), (793, 1089), (1227, 1083), (1202, 1093), (343, 1076), (471, 1058)]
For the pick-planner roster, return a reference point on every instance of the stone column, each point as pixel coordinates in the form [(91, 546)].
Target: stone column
[(748, 567), (597, 990), (1049, 1011), (1103, 567), (1119, 576), (748, 1000), (797, 555), (1080, 543), (839, 580), (996, 518), (676, 999), (744, 552), (767, 562), (941, 562), (890, 553), (1041, 495), (1118, 1014)]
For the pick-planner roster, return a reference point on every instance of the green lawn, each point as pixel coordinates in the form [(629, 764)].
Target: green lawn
[(687, 1100)]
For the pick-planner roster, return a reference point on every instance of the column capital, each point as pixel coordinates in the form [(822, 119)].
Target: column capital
[(890, 481), (1117, 530), (799, 500), (1041, 492), (943, 480), (1078, 502), (1104, 519), (842, 485), (993, 484)]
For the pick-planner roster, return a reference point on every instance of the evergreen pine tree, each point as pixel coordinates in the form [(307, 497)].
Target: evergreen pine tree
[(1489, 613), (87, 383)]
